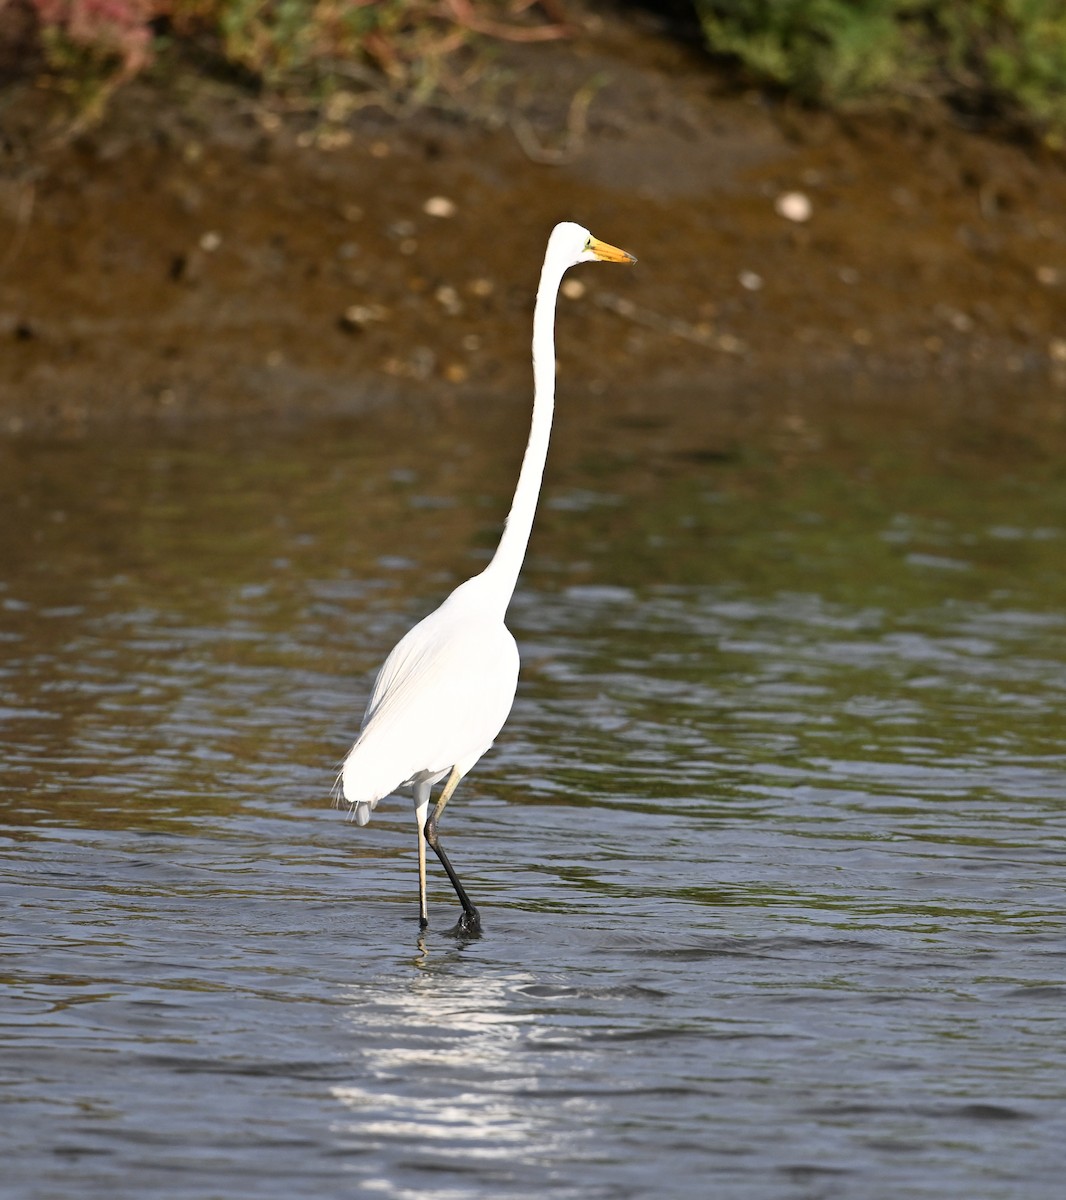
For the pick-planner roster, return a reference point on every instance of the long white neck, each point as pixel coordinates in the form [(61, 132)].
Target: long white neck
[(507, 561)]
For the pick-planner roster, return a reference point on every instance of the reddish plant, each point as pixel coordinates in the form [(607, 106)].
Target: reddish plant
[(111, 28)]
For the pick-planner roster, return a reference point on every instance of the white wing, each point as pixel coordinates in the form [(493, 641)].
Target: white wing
[(439, 701)]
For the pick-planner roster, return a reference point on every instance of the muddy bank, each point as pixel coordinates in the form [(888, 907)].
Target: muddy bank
[(197, 253)]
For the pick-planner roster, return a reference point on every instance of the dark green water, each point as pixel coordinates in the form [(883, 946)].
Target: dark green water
[(770, 857)]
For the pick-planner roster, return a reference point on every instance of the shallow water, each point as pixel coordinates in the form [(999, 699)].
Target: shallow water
[(770, 855)]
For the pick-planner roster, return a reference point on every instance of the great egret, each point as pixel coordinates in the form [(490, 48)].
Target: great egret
[(445, 691)]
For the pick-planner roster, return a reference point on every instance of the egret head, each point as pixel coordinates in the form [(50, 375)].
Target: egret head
[(570, 244)]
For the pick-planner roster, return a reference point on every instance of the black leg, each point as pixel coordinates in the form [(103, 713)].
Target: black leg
[(470, 921)]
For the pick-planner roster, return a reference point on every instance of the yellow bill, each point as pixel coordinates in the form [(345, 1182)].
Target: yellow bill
[(606, 253)]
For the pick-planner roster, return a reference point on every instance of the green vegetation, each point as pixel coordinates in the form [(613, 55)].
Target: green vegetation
[(278, 45), (995, 58), (282, 43), (999, 59)]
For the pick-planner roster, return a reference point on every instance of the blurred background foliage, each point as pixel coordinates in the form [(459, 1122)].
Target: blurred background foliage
[(995, 60), (992, 58)]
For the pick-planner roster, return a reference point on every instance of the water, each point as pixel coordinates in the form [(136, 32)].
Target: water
[(770, 855)]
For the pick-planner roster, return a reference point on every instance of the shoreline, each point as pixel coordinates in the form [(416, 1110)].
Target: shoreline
[(196, 255)]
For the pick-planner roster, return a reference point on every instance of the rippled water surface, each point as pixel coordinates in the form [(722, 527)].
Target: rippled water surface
[(770, 856)]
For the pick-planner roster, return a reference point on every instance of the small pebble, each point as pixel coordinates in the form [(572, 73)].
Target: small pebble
[(439, 206), (573, 289), (210, 241), (793, 206), (448, 298), (750, 280), (481, 287), (356, 317)]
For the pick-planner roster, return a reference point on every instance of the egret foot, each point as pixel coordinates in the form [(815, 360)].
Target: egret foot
[(468, 925)]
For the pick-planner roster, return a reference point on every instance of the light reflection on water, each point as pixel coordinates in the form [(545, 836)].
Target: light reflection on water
[(770, 854)]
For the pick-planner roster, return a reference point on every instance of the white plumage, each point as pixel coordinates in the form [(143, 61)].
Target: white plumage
[(439, 701), (445, 691)]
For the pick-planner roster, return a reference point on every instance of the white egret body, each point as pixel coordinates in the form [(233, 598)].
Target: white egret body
[(445, 691)]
